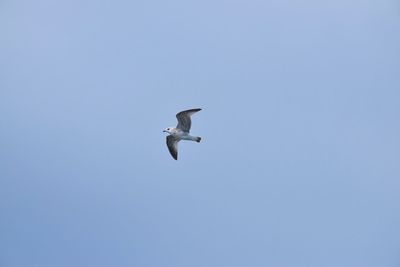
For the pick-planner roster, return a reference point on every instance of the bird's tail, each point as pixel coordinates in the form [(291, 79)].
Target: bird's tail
[(198, 139)]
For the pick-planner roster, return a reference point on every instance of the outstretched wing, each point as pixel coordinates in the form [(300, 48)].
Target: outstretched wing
[(172, 144), (184, 121)]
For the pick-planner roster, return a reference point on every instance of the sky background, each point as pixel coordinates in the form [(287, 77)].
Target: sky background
[(299, 161)]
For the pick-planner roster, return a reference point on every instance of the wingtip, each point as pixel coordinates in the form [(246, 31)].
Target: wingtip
[(194, 109)]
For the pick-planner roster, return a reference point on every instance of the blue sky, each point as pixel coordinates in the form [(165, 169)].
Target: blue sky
[(299, 162)]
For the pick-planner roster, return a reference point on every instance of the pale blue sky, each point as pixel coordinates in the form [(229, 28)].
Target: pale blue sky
[(299, 162)]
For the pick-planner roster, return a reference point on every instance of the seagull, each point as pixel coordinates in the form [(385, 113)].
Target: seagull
[(181, 131)]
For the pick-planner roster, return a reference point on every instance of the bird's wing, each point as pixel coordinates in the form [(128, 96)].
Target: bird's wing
[(184, 121), (172, 144)]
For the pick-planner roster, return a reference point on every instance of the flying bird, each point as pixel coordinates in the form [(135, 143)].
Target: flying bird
[(181, 131)]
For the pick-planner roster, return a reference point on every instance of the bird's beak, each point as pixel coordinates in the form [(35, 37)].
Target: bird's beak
[(164, 131)]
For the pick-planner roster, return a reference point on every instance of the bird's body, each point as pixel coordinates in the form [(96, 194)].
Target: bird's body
[(182, 135), (181, 131)]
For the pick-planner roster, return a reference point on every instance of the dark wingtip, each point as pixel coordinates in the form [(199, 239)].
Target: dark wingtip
[(198, 139)]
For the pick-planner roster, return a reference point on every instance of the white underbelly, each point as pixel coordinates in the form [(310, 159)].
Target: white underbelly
[(185, 136)]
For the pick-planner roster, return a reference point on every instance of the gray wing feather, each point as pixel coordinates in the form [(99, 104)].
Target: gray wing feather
[(172, 144), (184, 121)]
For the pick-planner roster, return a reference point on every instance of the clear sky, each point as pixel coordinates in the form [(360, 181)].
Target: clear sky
[(299, 164)]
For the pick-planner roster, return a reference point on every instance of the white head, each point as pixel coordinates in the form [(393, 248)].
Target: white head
[(168, 130)]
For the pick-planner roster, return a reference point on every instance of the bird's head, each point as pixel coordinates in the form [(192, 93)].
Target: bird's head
[(168, 130)]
